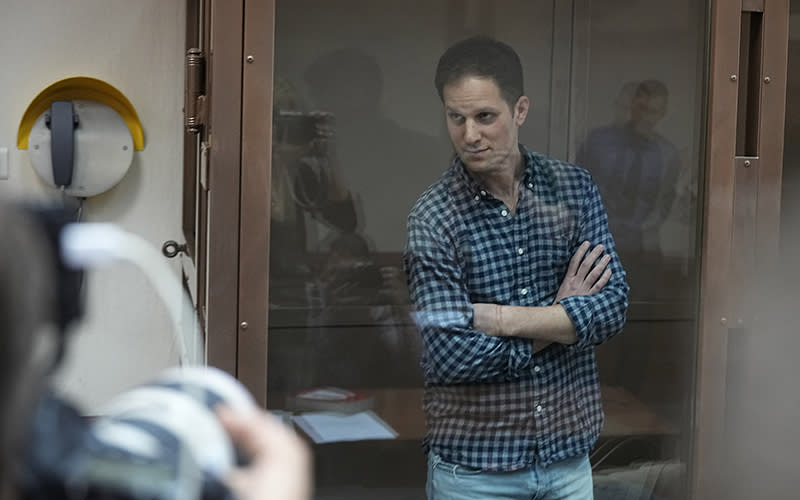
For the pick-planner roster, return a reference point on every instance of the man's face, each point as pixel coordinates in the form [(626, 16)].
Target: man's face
[(647, 111), (483, 128)]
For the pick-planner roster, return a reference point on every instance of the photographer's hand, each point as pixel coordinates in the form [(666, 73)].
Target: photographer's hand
[(280, 462)]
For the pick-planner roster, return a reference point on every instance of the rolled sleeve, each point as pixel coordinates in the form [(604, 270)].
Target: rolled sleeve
[(598, 317), (454, 353)]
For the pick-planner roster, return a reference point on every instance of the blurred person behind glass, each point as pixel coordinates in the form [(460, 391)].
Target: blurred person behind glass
[(637, 170), (305, 183)]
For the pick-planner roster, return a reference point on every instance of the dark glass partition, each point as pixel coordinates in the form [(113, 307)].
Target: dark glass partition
[(615, 86)]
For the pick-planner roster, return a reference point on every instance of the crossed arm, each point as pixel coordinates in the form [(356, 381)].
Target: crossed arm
[(483, 343), (586, 275)]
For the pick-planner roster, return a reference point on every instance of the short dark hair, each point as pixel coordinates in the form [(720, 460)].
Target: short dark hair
[(651, 88), (482, 57)]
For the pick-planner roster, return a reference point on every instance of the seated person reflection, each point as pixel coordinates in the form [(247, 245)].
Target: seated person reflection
[(305, 183), (636, 170), (510, 300)]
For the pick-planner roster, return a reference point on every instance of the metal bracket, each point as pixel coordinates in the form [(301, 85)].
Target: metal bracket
[(746, 161), (172, 248)]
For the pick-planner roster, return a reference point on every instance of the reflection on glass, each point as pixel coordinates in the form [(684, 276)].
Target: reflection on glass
[(360, 133), (642, 141), (637, 170)]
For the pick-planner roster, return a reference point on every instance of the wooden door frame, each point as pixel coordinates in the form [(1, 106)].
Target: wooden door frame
[(719, 294), (259, 41), (238, 261), (224, 76), (238, 73), (231, 263)]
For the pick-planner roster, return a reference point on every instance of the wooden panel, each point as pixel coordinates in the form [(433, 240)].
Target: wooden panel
[(259, 31), (758, 339), (743, 240), (752, 5), (224, 130), (742, 216), (773, 104), (718, 206)]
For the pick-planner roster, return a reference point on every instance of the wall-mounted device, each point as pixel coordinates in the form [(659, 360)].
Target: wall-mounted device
[(81, 133)]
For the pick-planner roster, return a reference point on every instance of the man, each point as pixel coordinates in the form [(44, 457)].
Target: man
[(509, 320), (33, 313), (637, 171)]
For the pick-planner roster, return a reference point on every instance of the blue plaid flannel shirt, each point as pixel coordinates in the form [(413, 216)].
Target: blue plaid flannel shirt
[(490, 403)]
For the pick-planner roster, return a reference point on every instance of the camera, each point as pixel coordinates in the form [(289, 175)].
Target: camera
[(158, 441), (299, 128)]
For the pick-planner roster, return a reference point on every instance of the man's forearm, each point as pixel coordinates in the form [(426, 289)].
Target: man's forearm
[(548, 324)]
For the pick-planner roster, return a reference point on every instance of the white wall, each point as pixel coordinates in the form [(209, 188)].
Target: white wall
[(137, 47)]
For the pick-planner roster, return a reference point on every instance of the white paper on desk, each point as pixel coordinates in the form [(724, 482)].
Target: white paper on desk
[(325, 427)]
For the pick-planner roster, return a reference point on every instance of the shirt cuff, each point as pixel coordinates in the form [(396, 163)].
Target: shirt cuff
[(520, 354), (580, 311)]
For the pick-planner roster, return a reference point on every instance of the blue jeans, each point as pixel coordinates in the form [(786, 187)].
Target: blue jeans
[(569, 479)]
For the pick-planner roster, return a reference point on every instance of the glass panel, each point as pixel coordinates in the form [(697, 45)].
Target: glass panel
[(643, 135), (339, 313), (359, 135), (790, 198), (640, 133)]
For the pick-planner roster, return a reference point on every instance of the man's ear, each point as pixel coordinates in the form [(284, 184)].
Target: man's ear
[(521, 110)]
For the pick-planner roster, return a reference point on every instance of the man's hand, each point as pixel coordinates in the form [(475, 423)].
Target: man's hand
[(583, 276), (280, 462)]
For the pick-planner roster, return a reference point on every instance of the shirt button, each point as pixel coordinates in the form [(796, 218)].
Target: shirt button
[(504, 213), (538, 408), (483, 193), (537, 368), (530, 185), (521, 251), (524, 291), (477, 197)]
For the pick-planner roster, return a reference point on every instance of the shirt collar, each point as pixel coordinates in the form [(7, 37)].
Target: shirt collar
[(473, 189)]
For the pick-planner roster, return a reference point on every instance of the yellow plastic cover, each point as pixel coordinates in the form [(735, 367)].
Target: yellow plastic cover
[(81, 88)]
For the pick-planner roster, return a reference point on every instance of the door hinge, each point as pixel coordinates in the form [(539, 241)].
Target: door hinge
[(194, 108)]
